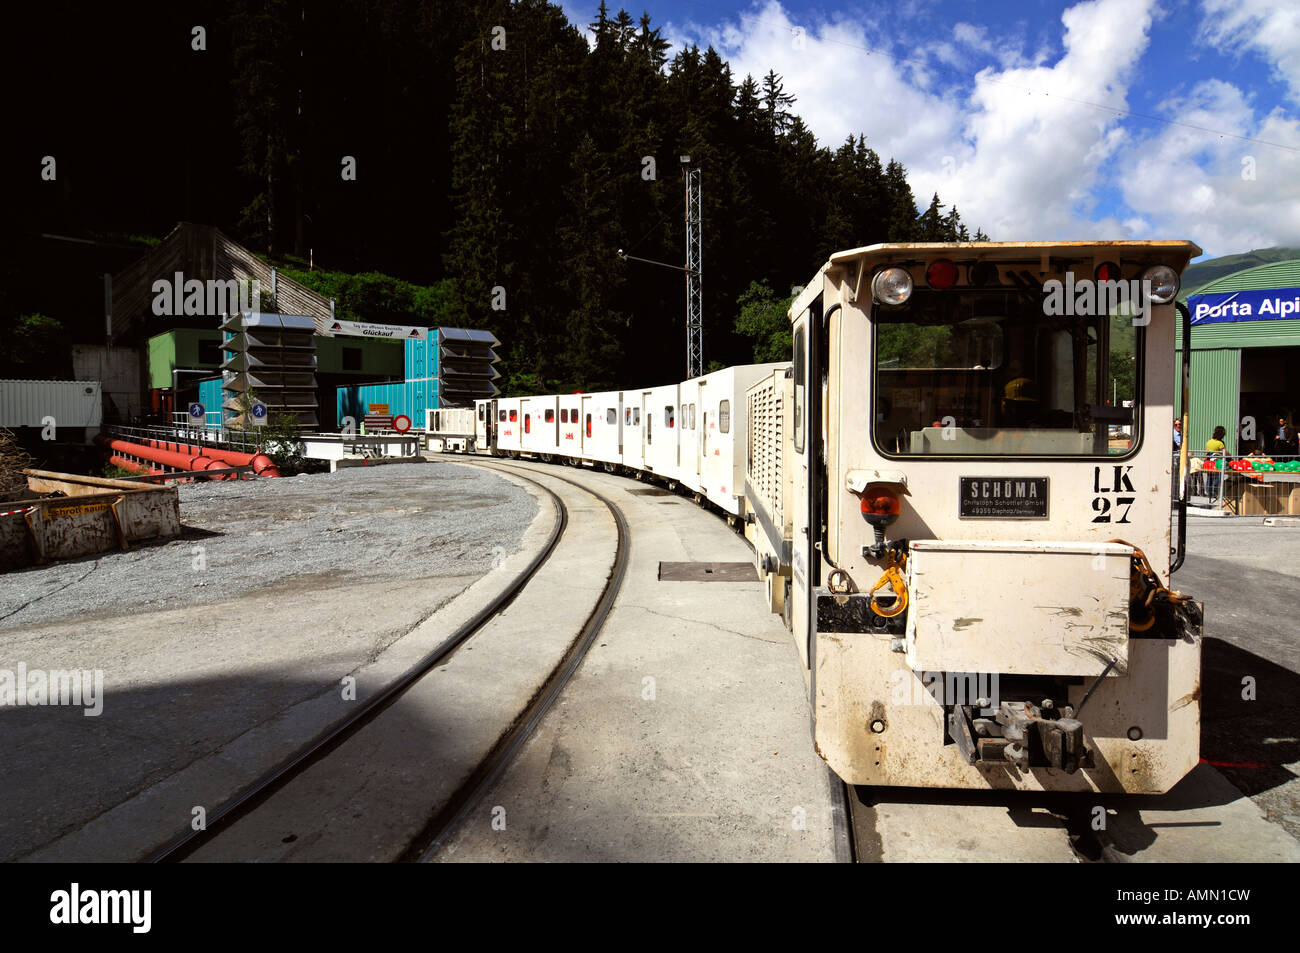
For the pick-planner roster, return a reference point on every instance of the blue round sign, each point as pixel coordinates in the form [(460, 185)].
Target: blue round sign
[(259, 410), (196, 410)]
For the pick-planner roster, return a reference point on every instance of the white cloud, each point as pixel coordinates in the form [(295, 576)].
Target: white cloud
[(1030, 152), (1013, 148), (1271, 27), (1225, 194)]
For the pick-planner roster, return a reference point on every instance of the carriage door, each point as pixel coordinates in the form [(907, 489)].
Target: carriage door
[(648, 416), (584, 440)]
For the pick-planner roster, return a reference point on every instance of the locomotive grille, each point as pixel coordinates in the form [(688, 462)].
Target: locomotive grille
[(765, 441)]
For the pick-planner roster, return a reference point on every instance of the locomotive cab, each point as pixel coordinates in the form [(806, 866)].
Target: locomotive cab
[(981, 542)]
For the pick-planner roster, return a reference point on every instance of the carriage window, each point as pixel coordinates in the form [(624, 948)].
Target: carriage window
[(724, 417), (649, 419), (481, 412), (692, 416), (528, 420), (685, 419), (514, 416), (636, 417), (502, 418), (668, 417), (611, 416), (589, 425), (800, 376), (550, 416), (991, 374)]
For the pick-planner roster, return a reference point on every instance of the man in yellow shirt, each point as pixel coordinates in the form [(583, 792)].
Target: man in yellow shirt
[(1216, 447)]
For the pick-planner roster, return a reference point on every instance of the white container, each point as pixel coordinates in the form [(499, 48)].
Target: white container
[(38, 403)]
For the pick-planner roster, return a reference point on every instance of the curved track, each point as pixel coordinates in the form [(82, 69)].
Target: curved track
[(315, 751), (425, 847)]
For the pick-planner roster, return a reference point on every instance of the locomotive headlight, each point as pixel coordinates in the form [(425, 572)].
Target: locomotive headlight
[(1164, 283), (891, 286)]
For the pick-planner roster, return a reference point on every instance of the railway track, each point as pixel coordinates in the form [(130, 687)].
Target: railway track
[(425, 847), (245, 803)]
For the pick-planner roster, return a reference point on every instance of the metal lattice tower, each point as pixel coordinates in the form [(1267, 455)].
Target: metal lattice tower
[(694, 265)]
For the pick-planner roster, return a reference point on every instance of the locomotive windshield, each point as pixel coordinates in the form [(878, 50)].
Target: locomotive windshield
[(991, 374)]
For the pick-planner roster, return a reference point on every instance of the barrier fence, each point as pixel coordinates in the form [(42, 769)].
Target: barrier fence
[(1251, 485)]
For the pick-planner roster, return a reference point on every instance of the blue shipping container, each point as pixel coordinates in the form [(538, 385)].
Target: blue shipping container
[(421, 357), (412, 398)]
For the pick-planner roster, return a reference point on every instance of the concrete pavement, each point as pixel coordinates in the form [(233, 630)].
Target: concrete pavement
[(683, 737)]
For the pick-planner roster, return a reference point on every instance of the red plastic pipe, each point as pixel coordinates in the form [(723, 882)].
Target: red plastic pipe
[(178, 461), (262, 465), (135, 465)]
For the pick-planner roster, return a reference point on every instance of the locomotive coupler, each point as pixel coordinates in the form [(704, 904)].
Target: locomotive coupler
[(1022, 734)]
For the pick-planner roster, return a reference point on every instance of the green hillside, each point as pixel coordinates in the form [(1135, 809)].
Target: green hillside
[(1203, 272)]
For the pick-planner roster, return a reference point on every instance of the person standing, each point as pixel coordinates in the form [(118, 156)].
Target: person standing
[(1284, 439), (1215, 452), (1178, 435)]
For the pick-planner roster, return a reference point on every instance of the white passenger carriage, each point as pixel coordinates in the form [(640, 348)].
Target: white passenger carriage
[(713, 440), (539, 421), (509, 427), (600, 428), (659, 433), (569, 438)]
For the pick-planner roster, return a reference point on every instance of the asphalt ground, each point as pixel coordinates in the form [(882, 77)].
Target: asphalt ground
[(1247, 575)]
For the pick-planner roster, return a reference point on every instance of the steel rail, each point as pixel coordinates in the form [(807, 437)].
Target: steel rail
[(250, 797), (425, 845), (842, 828)]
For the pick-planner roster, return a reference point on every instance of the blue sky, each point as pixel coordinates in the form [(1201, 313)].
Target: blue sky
[(1045, 119)]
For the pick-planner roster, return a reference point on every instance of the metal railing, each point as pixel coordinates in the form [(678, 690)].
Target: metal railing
[(1251, 485), (243, 440)]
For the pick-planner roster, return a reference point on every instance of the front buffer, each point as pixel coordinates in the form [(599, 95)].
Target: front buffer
[(1017, 665)]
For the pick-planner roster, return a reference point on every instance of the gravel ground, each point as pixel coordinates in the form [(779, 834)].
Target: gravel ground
[(361, 524)]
